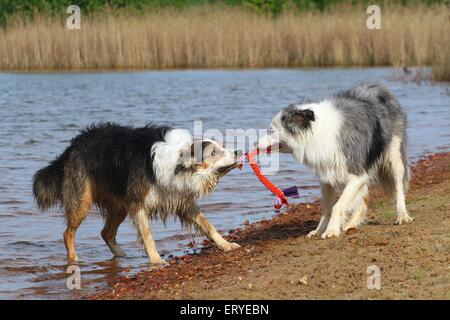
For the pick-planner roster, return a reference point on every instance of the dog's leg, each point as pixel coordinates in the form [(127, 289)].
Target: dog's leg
[(326, 204), (359, 211), (211, 232), (70, 233), (208, 229), (141, 220), (75, 212), (351, 190), (109, 232), (398, 172)]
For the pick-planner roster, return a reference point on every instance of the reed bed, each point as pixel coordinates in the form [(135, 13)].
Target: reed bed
[(229, 38), (441, 66)]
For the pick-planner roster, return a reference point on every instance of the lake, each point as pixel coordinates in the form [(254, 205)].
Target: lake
[(41, 112)]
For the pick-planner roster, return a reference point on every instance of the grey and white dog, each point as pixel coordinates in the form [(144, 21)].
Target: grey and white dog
[(352, 140)]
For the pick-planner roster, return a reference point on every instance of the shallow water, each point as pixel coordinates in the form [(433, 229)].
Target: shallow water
[(40, 113)]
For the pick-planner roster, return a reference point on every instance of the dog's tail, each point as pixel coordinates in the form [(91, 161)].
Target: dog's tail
[(47, 183)]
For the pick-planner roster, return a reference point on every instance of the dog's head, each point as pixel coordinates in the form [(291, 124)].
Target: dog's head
[(207, 158), (288, 124), (191, 166)]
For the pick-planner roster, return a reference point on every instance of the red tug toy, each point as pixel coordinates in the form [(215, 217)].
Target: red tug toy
[(281, 195)]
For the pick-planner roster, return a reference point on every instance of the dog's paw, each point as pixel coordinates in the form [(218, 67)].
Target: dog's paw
[(229, 246), (349, 226), (119, 253), (72, 259), (312, 234), (158, 261), (404, 218), (331, 232)]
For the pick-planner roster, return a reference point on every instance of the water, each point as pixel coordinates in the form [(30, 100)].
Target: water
[(40, 113)]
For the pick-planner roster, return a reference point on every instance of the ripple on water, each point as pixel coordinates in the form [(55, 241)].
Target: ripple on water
[(10, 202), (23, 243)]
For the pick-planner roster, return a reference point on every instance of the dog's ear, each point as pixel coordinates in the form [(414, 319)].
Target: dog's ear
[(296, 120), (182, 166), (191, 157), (186, 159)]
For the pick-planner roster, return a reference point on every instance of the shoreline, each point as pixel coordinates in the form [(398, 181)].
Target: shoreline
[(137, 70), (277, 262), (397, 72)]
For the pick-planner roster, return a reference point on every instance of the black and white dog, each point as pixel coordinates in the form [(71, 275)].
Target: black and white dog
[(147, 172), (352, 140)]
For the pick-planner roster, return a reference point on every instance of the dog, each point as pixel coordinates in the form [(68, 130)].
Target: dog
[(145, 173), (353, 140)]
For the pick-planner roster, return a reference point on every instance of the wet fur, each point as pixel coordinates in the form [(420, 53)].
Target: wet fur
[(113, 163), (124, 171)]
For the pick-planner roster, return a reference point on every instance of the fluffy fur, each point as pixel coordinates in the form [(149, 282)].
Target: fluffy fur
[(352, 140), (148, 172)]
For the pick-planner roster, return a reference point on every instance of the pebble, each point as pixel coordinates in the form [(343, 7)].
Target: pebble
[(302, 280)]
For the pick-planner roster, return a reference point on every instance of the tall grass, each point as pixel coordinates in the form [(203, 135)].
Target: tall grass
[(210, 37), (441, 66)]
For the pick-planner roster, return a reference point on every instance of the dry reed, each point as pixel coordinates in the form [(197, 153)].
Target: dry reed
[(221, 38), (441, 65)]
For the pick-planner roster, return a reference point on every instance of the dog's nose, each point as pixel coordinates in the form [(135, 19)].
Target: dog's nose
[(238, 153)]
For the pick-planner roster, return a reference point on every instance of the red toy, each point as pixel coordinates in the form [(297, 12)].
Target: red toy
[(281, 197)]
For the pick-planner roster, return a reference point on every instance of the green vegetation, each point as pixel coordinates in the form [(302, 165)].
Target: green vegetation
[(29, 8), (419, 275), (389, 214)]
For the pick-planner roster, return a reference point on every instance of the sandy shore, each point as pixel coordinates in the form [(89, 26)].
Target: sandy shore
[(276, 261)]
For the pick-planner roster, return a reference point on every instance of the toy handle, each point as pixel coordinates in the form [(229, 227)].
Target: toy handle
[(278, 203), (266, 182)]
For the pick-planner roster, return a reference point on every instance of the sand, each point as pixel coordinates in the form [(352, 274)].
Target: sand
[(276, 261)]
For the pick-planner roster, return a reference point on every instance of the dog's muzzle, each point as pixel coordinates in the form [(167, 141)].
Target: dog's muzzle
[(225, 170), (238, 154)]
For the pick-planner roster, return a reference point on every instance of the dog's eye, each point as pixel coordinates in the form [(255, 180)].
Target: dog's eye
[(213, 153)]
